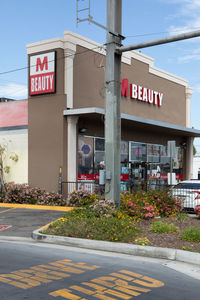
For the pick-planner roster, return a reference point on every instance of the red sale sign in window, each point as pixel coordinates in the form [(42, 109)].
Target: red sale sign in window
[(42, 73)]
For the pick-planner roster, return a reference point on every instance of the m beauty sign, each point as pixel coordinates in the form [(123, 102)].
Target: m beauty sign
[(141, 93), (42, 73)]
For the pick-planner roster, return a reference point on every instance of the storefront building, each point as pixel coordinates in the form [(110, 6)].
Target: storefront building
[(66, 115)]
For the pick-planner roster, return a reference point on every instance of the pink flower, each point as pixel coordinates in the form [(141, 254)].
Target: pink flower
[(149, 215)]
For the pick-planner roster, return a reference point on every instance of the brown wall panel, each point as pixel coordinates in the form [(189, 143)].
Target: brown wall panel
[(89, 76), (47, 133)]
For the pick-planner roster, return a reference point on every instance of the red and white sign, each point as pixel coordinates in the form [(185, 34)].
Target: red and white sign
[(141, 93), (164, 176), (96, 177), (42, 73)]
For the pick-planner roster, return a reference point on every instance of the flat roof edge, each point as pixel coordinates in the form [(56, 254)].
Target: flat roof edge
[(96, 110)]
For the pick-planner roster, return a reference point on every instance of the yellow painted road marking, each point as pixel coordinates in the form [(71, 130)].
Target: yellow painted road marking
[(149, 282), (113, 286), (137, 275), (94, 286), (127, 291), (65, 294), (117, 294), (41, 279), (7, 210), (152, 282), (81, 289), (79, 265), (42, 207), (28, 278), (68, 269), (103, 281), (125, 284), (20, 273), (14, 283), (103, 297), (59, 274), (128, 278)]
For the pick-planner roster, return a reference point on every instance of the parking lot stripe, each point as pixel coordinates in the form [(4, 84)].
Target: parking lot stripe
[(7, 210), (41, 207)]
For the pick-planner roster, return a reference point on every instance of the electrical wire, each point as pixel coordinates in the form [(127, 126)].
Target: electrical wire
[(79, 53), (157, 33), (70, 55)]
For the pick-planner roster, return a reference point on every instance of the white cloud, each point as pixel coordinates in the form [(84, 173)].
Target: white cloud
[(14, 90), (188, 58), (187, 12)]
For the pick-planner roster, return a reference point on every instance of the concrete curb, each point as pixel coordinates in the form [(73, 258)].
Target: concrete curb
[(137, 250)]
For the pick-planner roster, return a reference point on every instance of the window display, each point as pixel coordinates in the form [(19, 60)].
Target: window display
[(137, 151), (85, 155), (139, 161)]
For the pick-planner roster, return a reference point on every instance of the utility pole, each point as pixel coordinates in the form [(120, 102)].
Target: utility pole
[(113, 101)]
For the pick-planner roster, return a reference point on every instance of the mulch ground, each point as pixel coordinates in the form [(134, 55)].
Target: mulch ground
[(171, 240)]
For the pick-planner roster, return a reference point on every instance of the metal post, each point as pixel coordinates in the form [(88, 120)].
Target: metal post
[(113, 102), (171, 165)]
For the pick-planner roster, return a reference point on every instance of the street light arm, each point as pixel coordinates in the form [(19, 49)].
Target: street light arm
[(170, 39)]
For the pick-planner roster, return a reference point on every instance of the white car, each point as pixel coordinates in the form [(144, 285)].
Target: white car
[(189, 192)]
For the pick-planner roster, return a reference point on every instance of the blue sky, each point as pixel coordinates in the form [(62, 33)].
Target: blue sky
[(27, 21)]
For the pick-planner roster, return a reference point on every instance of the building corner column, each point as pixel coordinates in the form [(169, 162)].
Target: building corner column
[(188, 93), (72, 148), (69, 52), (189, 158)]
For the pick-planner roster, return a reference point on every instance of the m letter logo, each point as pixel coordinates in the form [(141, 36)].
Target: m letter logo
[(124, 87), (42, 73), (40, 65)]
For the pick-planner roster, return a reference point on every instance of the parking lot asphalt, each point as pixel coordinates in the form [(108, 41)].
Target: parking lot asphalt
[(22, 220)]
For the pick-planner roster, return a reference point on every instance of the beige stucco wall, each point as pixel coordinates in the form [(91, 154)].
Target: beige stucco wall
[(15, 142)]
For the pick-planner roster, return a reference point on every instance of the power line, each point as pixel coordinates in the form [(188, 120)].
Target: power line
[(78, 53), (157, 33), (28, 67)]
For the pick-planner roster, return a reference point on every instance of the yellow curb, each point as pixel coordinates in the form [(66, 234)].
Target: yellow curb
[(42, 207), (47, 225)]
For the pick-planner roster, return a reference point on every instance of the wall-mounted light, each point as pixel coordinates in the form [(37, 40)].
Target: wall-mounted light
[(82, 130), (183, 145)]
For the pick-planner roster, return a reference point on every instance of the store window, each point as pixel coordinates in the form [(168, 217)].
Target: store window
[(85, 155), (99, 154), (138, 151), (124, 152), (138, 160), (153, 153)]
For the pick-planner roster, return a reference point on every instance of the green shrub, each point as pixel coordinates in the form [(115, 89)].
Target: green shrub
[(149, 204), (23, 194), (81, 198), (191, 234), (161, 227)]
